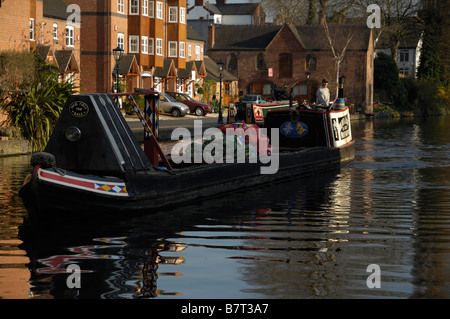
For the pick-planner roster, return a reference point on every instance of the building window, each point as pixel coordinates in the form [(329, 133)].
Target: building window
[(189, 50), (227, 88), (151, 9), (189, 90), (144, 44), (179, 85), (134, 44), (145, 7), (303, 89), (261, 62), (404, 71), (157, 86), (134, 7), (285, 65), (182, 50), (121, 41), (173, 49), (232, 62), (197, 52), (182, 15), (151, 46), (403, 56), (159, 10), (173, 14), (121, 6), (55, 31), (69, 36), (159, 43), (31, 29), (310, 62)]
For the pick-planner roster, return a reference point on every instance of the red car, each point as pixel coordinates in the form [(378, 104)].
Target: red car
[(197, 108)]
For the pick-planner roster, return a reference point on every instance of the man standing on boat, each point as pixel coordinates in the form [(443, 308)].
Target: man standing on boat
[(323, 94)]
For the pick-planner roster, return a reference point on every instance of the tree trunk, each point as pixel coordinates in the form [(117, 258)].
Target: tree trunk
[(323, 5), (311, 12)]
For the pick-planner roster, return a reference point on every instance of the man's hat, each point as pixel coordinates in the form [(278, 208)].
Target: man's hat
[(324, 80)]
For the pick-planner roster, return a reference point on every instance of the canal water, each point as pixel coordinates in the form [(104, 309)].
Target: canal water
[(377, 228)]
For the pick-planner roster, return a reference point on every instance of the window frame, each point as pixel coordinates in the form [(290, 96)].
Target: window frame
[(144, 44), (173, 14), (182, 49), (145, 8), (151, 46), (311, 66), (70, 36), (182, 15), (402, 54), (134, 6), (261, 63), (151, 9), (32, 29), (121, 44), (159, 10), (55, 31), (172, 45), (121, 6), (130, 45), (197, 53), (159, 46)]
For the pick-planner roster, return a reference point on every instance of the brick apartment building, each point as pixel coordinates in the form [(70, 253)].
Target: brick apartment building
[(159, 48), (154, 37), (41, 25), (264, 56)]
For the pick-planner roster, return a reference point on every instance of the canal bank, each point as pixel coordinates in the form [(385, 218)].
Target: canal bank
[(13, 147)]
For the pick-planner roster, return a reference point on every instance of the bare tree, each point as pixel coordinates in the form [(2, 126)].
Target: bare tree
[(396, 18), (338, 55), (308, 11), (287, 11)]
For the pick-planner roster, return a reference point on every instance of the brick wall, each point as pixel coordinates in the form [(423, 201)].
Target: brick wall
[(356, 67), (14, 25)]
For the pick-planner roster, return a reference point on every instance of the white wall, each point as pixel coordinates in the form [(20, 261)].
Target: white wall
[(237, 20)]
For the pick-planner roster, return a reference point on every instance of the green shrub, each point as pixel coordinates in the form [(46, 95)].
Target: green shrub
[(35, 108)]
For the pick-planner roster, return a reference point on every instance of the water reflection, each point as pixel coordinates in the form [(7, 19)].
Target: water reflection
[(312, 237), (14, 273)]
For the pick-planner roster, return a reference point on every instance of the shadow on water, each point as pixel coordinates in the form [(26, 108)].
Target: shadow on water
[(121, 256)]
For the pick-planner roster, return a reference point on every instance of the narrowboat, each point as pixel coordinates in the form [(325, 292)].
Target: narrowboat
[(94, 163)]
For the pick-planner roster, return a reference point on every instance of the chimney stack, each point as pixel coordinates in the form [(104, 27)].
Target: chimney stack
[(221, 1), (211, 36), (199, 3)]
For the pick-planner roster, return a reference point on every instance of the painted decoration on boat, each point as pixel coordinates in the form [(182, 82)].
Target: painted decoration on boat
[(294, 129), (109, 187)]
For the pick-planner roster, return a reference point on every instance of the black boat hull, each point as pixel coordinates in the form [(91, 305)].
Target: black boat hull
[(162, 189)]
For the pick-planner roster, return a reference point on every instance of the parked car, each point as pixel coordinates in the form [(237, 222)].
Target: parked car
[(253, 98), (168, 104), (197, 108)]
